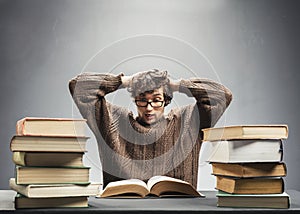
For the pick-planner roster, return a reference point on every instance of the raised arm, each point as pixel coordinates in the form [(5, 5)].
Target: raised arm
[(212, 98), (94, 85), (88, 91)]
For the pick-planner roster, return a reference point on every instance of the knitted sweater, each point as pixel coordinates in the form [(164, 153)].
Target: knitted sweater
[(129, 149)]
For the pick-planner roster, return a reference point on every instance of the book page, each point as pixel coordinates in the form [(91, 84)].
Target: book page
[(126, 182), (155, 179), (129, 186)]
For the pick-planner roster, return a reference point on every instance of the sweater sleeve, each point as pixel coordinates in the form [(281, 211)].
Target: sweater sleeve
[(94, 85), (212, 99), (88, 91)]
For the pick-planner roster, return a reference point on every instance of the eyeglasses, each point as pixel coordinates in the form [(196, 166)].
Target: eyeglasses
[(154, 104)]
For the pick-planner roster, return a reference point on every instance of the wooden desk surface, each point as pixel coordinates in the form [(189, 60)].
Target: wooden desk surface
[(150, 205)]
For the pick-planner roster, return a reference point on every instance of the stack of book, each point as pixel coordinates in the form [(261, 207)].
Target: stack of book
[(49, 170), (247, 163)]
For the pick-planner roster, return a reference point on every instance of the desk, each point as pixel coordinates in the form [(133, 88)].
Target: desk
[(150, 205)]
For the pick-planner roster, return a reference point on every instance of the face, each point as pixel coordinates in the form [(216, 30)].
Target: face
[(151, 113)]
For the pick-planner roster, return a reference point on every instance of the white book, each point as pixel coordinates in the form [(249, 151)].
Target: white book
[(55, 190), (256, 150)]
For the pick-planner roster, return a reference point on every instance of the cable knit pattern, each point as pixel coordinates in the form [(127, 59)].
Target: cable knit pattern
[(130, 150)]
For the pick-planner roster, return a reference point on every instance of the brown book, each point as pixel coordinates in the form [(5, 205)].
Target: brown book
[(48, 158), (248, 170), (55, 190), (42, 126), (250, 185), (48, 144), (161, 186), (22, 202), (281, 200), (246, 132), (54, 175)]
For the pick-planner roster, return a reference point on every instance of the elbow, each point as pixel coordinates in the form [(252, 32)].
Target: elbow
[(228, 97), (72, 84)]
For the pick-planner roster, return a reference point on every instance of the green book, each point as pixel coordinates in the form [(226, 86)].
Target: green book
[(281, 200), (22, 202), (58, 159)]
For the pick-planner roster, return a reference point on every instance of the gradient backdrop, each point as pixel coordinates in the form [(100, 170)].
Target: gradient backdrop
[(251, 46)]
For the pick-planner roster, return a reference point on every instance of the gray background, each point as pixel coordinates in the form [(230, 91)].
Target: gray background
[(252, 47)]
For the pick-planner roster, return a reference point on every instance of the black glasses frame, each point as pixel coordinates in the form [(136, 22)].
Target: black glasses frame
[(149, 102)]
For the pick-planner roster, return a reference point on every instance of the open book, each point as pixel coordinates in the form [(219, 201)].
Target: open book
[(161, 186)]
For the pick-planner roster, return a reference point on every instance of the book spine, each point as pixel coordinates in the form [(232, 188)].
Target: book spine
[(20, 126), (19, 158)]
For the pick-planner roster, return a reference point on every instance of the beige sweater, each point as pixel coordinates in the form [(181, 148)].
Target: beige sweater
[(130, 150)]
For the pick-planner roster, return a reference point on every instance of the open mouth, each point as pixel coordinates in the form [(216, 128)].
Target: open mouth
[(149, 116)]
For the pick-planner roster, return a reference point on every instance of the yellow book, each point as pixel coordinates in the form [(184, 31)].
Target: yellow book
[(52, 175)]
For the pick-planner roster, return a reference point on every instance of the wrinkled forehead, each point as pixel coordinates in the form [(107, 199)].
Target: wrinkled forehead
[(153, 93)]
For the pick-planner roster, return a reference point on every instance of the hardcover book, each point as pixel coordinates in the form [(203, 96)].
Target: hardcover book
[(42, 126), (281, 200), (48, 158), (22, 202), (161, 186), (246, 132), (52, 175), (55, 190), (248, 170), (48, 144), (256, 150), (250, 185)]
